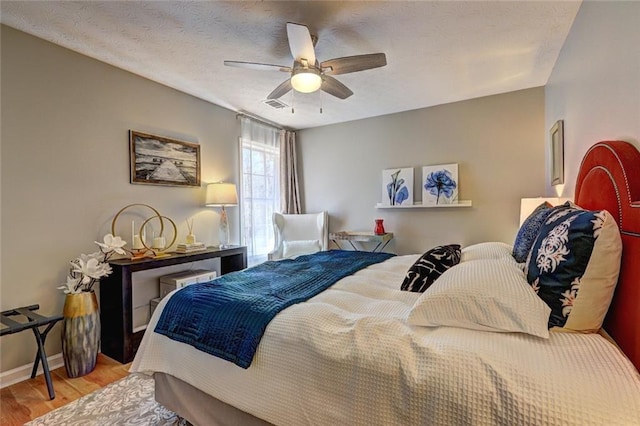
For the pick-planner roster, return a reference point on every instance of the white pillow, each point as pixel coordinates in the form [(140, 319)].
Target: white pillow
[(489, 250), (488, 295), (297, 248)]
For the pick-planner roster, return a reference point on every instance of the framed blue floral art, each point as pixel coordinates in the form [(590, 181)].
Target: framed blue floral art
[(397, 187), (440, 184)]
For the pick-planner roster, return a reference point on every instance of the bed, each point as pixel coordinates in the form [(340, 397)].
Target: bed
[(353, 354)]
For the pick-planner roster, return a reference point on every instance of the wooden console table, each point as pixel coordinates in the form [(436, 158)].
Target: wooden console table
[(119, 341)]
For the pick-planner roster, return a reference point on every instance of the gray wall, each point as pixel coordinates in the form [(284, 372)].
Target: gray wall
[(64, 154), (65, 167), (595, 84), (497, 141)]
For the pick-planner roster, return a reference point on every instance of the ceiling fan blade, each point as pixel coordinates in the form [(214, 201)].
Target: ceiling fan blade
[(335, 88), (300, 43), (353, 63), (281, 90), (257, 66)]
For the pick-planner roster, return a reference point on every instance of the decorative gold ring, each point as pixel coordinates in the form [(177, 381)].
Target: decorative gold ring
[(157, 213), (175, 234)]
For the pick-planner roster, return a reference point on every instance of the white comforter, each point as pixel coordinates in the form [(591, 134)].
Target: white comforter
[(348, 357)]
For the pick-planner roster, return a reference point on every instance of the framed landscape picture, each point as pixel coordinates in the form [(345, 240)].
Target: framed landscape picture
[(156, 160), (440, 184)]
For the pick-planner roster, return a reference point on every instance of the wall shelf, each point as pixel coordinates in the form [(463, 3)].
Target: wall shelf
[(461, 203)]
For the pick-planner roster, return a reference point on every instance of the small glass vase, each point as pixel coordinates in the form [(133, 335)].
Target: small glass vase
[(379, 229), (80, 333)]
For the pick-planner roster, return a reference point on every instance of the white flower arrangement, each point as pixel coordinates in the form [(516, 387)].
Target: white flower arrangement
[(87, 269)]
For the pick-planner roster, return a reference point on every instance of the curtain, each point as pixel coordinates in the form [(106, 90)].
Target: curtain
[(289, 193), (260, 186)]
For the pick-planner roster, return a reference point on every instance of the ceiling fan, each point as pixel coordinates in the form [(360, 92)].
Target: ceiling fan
[(309, 75)]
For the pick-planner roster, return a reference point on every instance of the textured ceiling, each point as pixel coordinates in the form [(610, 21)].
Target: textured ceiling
[(437, 51)]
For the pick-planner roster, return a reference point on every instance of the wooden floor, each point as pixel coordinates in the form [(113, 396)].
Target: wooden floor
[(28, 400)]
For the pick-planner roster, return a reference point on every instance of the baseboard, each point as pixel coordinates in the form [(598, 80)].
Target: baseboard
[(22, 373)]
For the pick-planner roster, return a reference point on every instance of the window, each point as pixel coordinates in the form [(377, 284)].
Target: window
[(260, 187)]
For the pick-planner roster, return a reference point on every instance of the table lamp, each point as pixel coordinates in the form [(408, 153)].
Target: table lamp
[(222, 194), (528, 205)]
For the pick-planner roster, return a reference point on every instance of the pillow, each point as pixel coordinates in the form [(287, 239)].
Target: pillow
[(489, 250), (574, 265), (430, 266), (299, 247), (529, 231), (487, 295)]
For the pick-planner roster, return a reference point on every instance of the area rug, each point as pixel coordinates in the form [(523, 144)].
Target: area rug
[(129, 401)]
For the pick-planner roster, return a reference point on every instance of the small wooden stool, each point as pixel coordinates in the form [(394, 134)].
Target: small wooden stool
[(35, 321)]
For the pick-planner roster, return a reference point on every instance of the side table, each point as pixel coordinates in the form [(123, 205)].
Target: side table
[(351, 237)]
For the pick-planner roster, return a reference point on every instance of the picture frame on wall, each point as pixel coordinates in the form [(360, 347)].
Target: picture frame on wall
[(157, 160), (440, 184), (556, 150), (397, 187)]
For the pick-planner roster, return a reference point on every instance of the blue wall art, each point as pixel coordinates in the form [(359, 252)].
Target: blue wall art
[(440, 184), (397, 187)]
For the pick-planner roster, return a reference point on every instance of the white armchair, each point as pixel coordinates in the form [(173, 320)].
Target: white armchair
[(297, 234)]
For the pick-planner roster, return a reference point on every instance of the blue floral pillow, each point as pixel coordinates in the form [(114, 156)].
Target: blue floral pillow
[(573, 266), (529, 231)]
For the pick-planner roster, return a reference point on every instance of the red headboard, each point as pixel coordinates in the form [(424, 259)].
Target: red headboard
[(609, 178)]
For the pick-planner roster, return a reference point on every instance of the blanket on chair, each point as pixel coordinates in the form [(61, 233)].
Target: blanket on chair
[(228, 316)]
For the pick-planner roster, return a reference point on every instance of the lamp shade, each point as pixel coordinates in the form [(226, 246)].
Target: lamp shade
[(221, 194), (528, 205), (306, 80)]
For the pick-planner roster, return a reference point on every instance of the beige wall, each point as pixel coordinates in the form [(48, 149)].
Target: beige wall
[(497, 141), (65, 167), (595, 84)]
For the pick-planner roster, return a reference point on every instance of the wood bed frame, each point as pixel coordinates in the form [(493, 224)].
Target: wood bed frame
[(609, 178)]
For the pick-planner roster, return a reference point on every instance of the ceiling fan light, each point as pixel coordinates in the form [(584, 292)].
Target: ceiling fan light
[(306, 81)]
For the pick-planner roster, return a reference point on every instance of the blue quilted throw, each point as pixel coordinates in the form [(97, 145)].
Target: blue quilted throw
[(228, 316)]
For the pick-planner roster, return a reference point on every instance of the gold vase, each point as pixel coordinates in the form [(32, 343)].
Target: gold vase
[(80, 333)]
